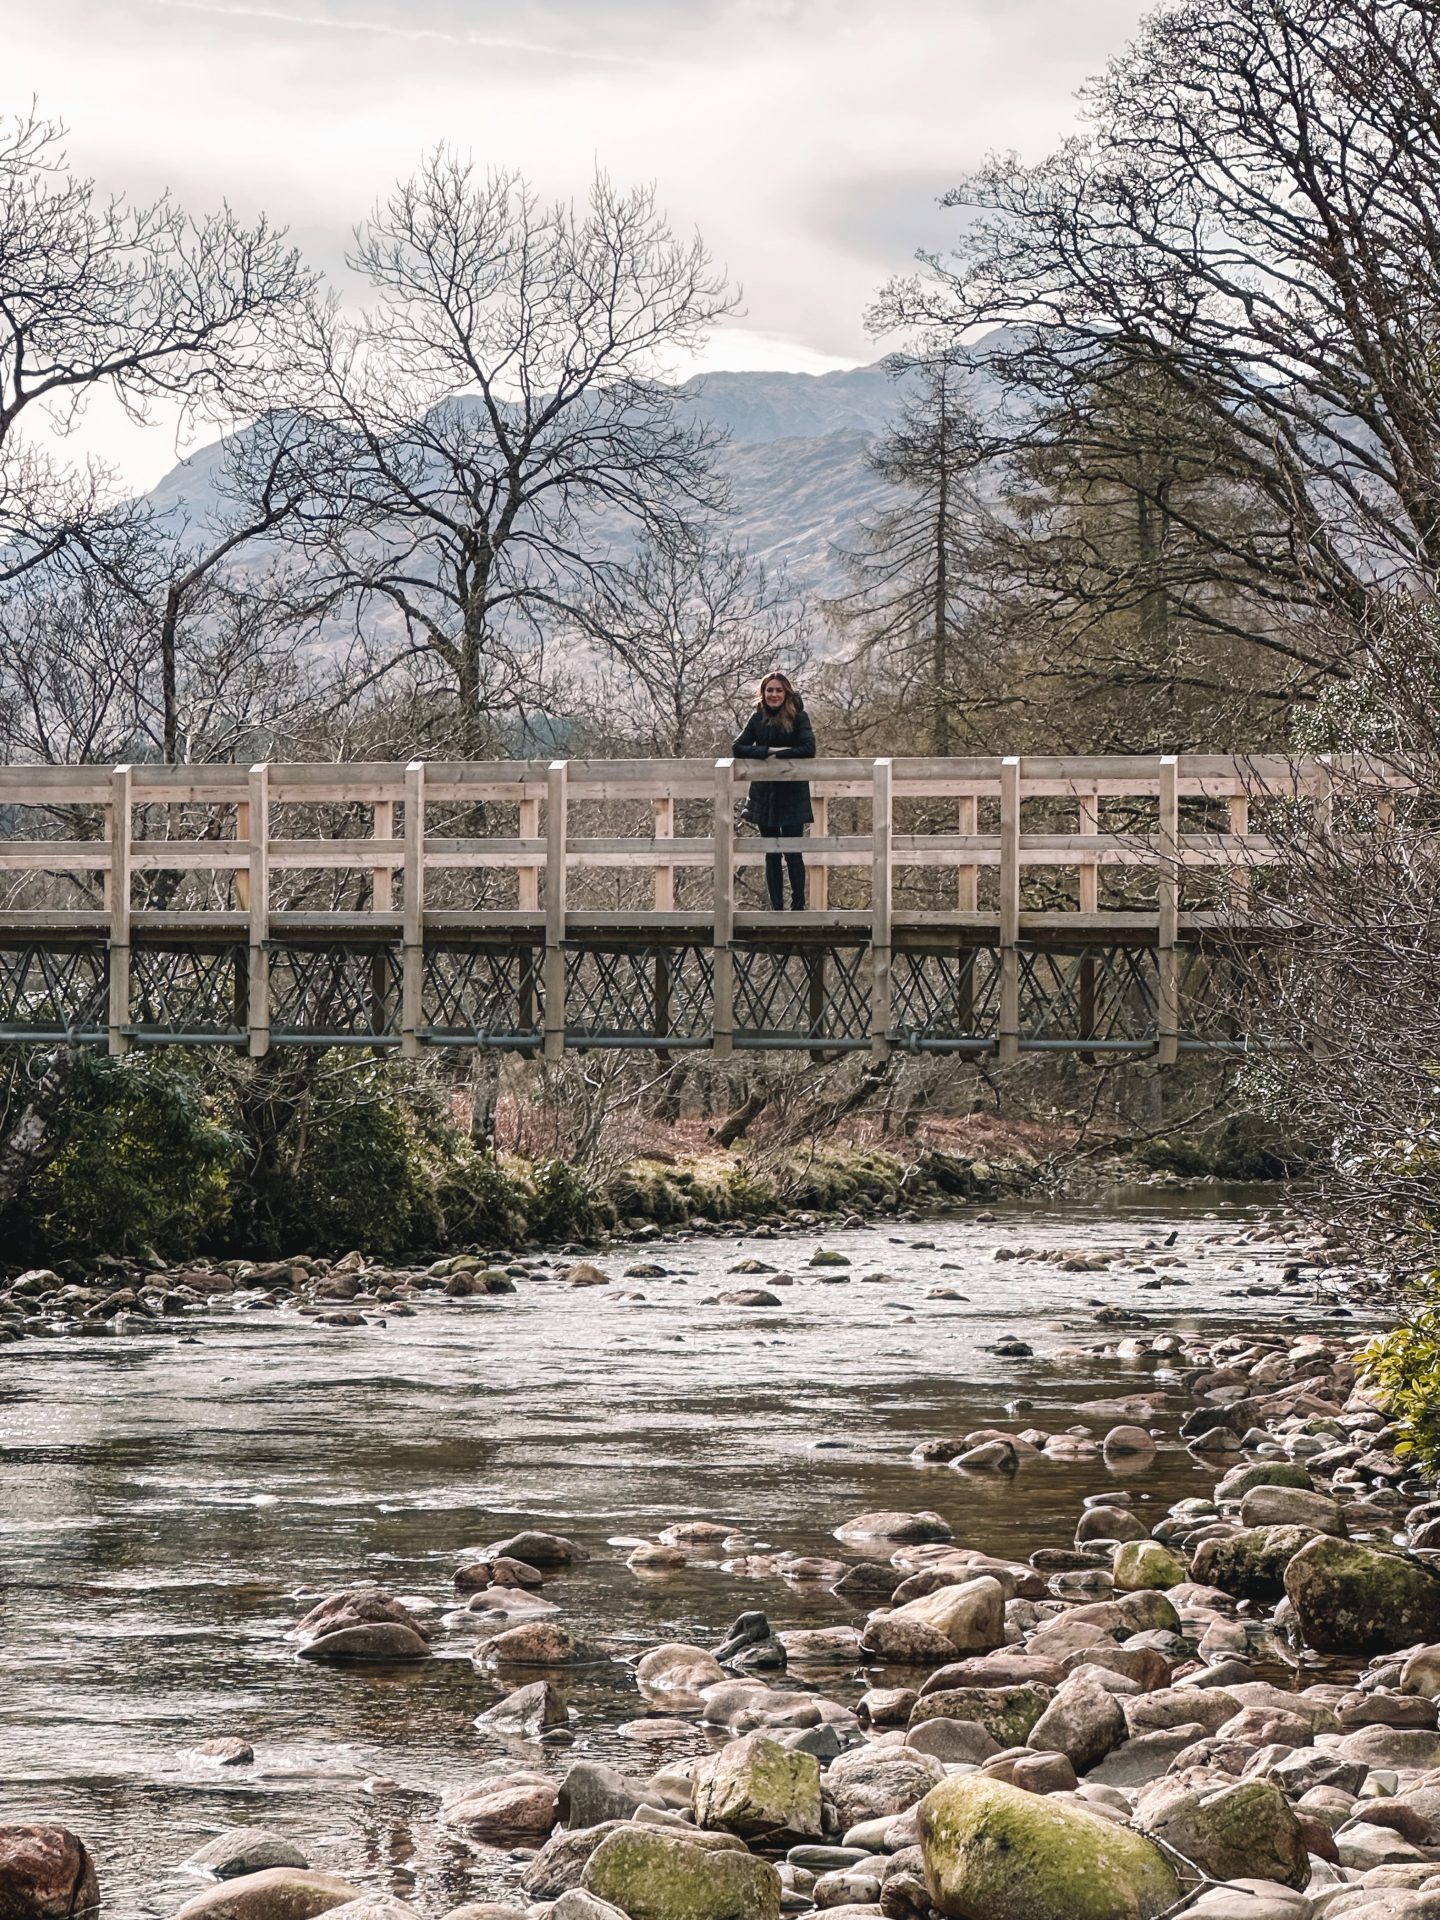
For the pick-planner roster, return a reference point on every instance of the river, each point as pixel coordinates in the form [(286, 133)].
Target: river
[(172, 1499)]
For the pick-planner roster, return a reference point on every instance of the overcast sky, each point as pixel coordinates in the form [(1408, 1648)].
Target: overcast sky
[(807, 140)]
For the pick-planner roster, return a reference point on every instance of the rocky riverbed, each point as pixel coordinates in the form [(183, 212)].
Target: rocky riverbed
[(1039, 1567)]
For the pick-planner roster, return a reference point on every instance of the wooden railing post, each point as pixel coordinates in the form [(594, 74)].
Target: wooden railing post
[(1239, 812), (723, 1019), (527, 879), (382, 879), (882, 826), (819, 876), (1168, 928), (556, 849), (257, 998), (412, 933), (967, 820), (1009, 1048), (120, 838), (664, 875)]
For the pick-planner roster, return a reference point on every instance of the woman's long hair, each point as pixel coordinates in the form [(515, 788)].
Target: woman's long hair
[(790, 709)]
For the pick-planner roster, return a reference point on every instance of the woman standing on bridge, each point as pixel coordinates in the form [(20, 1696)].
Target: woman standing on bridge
[(779, 729)]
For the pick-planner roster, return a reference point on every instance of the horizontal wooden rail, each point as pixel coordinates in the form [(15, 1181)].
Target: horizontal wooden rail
[(282, 852)]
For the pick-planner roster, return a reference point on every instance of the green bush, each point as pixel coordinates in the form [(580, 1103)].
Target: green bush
[(1402, 1368), (145, 1160), (479, 1204), (565, 1204)]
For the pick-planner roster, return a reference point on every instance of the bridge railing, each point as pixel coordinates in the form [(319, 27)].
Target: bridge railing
[(636, 848)]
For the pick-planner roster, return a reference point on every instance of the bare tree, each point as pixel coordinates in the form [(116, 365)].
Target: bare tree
[(511, 421), (1248, 218), (685, 629), (141, 301)]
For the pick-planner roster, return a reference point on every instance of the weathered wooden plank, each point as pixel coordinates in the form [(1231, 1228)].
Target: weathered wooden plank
[(257, 1011), (556, 831), (882, 828), (663, 875), (120, 826), (412, 953), (1009, 1023), (723, 838), (1169, 912)]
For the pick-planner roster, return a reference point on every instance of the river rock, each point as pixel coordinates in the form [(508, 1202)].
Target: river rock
[(1109, 1523), (354, 1607), (579, 1905), (901, 1529), (651, 1875), (1236, 1828), (755, 1788), (1007, 1713), (46, 1873), (379, 1643), (1291, 1507), (1250, 1900), (1141, 1564), (678, 1669), (904, 1641), (875, 1780), (971, 1616), (535, 1643), (527, 1712), (1128, 1443), (277, 1893), (244, 1850), (1349, 1598), (561, 1862), (1007, 1668), (994, 1852), (592, 1793), (1083, 1722), (1251, 1564), (504, 1812), (955, 1742), (651, 1557), (547, 1551)]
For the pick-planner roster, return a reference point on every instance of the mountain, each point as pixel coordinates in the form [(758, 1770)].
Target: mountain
[(795, 457)]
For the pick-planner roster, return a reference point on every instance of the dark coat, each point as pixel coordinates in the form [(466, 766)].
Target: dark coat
[(777, 805)]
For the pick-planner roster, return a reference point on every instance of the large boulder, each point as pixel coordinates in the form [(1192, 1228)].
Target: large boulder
[(354, 1607), (561, 1862), (650, 1875), (995, 1852), (1006, 1713), (1249, 1565), (899, 1529), (1083, 1721), (537, 1643), (1140, 1565), (875, 1780), (678, 1668), (754, 1787), (591, 1792), (1350, 1598), (46, 1873), (970, 1616), (1291, 1507), (277, 1893), (508, 1811), (1238, 1828)]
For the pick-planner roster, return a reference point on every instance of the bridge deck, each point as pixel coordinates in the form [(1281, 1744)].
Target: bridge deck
[(985, 905)]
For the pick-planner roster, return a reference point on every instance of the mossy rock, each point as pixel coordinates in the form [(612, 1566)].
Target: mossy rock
[(1235, 1829), (1250, 1564), (1349, 1598), (755, 1787), (828, 1257), (993, 1852), (1263, 1473), (1144, 1565), (1008, 1714), (650, 1876)]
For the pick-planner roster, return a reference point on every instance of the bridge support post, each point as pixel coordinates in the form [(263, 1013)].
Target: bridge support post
[(1009, 1048), (556, 843), (723, 1015), (120, 837), (881, 900), (1168, 930), (257, 995), (412, 933)]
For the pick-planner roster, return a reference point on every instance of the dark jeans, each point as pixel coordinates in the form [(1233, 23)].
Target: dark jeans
[(774, 882)]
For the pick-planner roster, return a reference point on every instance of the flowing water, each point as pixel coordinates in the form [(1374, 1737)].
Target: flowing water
[(171, 1500)]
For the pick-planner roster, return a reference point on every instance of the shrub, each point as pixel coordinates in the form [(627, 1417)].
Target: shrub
[(1402, 1368), (478, 1203), (565, 1204), (145, 1161)]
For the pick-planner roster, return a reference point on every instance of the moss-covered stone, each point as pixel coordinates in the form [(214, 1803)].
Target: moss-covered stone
[(1144, 1564), (1263, 1473), (755, 1787), (1250, 1564), (993, 1852), (1241, 1828), (649, 1875), (1007, 1714), (1349, 1598)]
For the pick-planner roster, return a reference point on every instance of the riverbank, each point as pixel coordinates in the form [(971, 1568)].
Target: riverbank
[(205, 1482)]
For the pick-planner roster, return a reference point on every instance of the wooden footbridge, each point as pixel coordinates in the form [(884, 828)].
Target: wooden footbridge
[(990, 906)]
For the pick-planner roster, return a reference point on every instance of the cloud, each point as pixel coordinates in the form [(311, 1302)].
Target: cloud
[(807, 140)]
